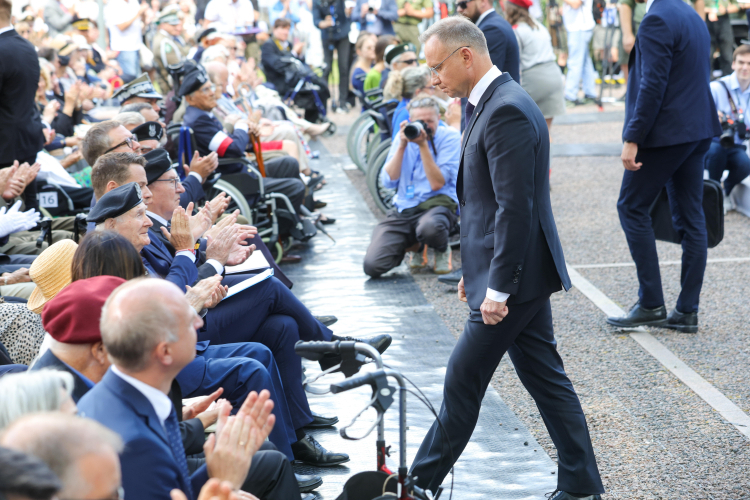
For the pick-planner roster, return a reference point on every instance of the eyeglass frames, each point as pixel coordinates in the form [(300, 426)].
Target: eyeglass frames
[(175, 181), (434, 70), (127, 142)]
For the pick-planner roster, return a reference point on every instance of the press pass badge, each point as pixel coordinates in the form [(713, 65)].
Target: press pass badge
[(410, 191)]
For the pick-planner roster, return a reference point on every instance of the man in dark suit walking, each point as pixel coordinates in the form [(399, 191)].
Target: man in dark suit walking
[(20, 123), (669, 122), (513, 262)]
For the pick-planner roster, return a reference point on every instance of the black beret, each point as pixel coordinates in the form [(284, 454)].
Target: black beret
[(203, 34), (115, 203), (149, 131), (158, 163), (194, 79)]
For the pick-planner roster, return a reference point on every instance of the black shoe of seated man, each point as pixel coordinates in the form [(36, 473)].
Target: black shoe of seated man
[(308, 483), (379, 342), (319, 421), (561, 495), (640, 316), (451, 279), (683, 322), (326, 320), (308, 451)]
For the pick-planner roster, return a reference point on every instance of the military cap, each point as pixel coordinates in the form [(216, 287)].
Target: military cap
[(393, 51), (140, 87), (82, 24), (170, 15), (115, 203), (194, 79), (149, 131), (203, 34), (159, 162)]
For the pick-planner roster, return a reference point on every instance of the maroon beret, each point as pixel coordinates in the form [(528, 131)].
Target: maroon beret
[(72, 317)]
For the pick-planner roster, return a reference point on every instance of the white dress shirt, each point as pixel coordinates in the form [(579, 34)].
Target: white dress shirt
[(190, 255), (7, 28), (484, 14), (160, 401), (476, 95), (648, 4)]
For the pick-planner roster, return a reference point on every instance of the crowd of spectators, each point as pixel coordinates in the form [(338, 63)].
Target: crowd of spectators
[(116, 125)]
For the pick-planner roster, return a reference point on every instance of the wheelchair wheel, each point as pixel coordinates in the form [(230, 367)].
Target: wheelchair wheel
[(365, 137), (351, 136), (371, 147), (382, 195), (277, 251), (238, 199), (375, 154)]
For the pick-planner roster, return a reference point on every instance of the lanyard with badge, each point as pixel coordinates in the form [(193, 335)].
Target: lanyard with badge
[(410, 185)]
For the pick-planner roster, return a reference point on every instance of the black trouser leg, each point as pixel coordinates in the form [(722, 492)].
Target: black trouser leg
[(284, 167), (390, 239), (342, 47)]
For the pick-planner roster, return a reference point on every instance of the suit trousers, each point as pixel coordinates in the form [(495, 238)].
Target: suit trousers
[(240, 369), (270, 476), (527, 335), (734, 160), (343, 47), (397, 232), (680, 168)]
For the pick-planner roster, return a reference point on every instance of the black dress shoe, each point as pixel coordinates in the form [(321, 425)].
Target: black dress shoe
[(320, 204), (308, 496), (379, 342), (326, 320), (307, 483), (684, 322), (451, 279), (308, 451), (327, 221), (561, 495), (640, 316), (319, 421)]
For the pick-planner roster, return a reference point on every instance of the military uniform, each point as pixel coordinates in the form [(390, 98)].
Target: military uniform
[(168, 49)]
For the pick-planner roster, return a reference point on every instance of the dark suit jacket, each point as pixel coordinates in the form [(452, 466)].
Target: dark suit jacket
[(204, 270), (502, 44), (669, 100), (193, 192), (149, 470), (21, 135), (159, 262), (210, 136), (509, 239), (276, 62), (50, 361)]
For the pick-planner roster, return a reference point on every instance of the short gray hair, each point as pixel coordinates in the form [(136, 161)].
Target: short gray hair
[(135, 107), (424, 101), (455, 32), (61, 440), (131, 336), (96, 141), (406, 82), (130, 119), (32, 392)]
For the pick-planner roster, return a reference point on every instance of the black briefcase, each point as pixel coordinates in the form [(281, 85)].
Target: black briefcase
[(713, 209)]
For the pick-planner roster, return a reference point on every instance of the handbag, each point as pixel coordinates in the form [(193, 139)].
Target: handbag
[(713, 209)]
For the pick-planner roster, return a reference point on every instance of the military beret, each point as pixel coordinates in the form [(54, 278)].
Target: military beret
[(194, 79), (203, 34), (158, 163), (149, 131), (170, 15), (115, 203), (72, 317), (393, 51), (140, 87)]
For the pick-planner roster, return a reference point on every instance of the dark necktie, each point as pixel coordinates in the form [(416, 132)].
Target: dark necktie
[(469, 111), (175, 442)]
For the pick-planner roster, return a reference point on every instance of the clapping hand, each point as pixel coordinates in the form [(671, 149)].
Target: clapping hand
[(218, 205), (13, 221), (200, 222), (200, 409), (207, 293), (220, 244), (181, 237), (203, 165), (215, 490)]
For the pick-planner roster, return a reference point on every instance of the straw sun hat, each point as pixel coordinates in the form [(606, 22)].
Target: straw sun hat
[(51, 272)]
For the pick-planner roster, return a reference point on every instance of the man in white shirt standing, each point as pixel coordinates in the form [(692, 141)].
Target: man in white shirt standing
[(512, 263), (123, 19), (578, 18), (230, 14)]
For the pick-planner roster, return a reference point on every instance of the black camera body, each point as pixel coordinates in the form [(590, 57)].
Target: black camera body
[(413, 129), (729, 127)]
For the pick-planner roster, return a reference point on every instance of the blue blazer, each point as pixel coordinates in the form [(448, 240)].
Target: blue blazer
[(509, 240), (669, 100), (193, 192), (210, 136), (149, 470), (502, 44), (159, 262)]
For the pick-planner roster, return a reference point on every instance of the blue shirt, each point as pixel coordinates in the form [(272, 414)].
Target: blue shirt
[(741, 99), (448, 146), (400, 114)]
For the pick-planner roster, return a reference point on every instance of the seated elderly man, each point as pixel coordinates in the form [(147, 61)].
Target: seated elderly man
[(139, 90), (77, 348), (199, 93), (148, 329), (278, 322), (82, 453), (424, 171), (24, 477)]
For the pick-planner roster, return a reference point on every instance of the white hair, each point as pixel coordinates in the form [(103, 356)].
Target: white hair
[(213, 53), (32, 392), (130, 118)]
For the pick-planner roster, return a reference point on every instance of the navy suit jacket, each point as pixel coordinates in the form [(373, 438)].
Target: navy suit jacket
[(669, 100), (509, 240), (149, 469), (179, 270), (50, 361), (502, 44), (210, 136), (193, 192)]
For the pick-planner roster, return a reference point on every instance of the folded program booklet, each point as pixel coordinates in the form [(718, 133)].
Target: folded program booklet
[(253, 280), (255, 262)]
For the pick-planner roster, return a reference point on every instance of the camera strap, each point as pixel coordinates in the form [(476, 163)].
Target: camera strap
[(735, 113)]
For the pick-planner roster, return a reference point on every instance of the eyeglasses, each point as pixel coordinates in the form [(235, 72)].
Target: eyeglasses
[(409, 62), (127, 142), (175, 180), (209, 90), (434, 70)]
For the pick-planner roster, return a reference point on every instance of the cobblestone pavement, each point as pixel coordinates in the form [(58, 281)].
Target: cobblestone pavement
[(654, 437)]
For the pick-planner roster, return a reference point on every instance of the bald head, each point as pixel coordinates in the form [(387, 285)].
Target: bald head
[(81, 452), (219, 74), (148, 322)]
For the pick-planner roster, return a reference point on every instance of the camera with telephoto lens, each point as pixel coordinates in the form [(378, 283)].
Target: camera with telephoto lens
[(729, 127), (413, 129)]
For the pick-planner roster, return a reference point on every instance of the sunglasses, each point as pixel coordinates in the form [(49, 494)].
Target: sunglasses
[(409, 62), (463, 4), (127, 142)]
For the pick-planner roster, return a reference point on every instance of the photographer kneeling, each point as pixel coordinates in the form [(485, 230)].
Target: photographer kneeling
[(423, 165), (732, 97)]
